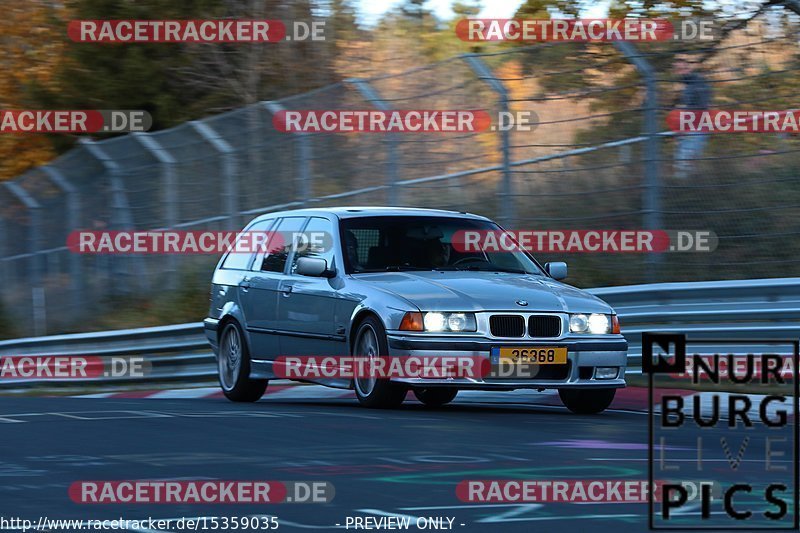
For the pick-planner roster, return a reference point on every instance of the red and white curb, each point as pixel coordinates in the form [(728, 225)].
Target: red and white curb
[(630, 398), (318, 392)]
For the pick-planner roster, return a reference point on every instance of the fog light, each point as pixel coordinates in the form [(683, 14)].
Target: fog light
[(606, 372)]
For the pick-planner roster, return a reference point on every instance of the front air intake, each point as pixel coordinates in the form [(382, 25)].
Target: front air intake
[(542, 326), (507, 325)]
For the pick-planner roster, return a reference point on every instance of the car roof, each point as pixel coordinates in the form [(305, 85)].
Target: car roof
[(356, 211)]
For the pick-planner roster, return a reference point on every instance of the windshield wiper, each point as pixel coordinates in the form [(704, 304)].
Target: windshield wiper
[(510, 270), (400, 268), (471, 268), (487, 268), (391, 268)]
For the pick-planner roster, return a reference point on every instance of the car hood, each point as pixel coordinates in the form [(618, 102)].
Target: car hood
[(484, 291)]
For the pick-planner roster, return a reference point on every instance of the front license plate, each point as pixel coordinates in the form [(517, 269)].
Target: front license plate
[(540, 355)]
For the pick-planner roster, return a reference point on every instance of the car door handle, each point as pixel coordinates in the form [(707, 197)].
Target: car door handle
[(245, 283), (287, 290)]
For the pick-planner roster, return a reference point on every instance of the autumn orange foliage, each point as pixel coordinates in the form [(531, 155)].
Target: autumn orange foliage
[(33, 46)]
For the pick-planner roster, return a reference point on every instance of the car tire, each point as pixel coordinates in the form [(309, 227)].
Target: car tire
[(233, 366), (436, 396), (370, 341), (587, 401)]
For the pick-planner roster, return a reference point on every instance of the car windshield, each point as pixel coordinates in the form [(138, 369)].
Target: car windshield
[(419, 243)]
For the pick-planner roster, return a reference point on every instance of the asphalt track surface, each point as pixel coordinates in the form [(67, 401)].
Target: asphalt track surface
[(403, 462)]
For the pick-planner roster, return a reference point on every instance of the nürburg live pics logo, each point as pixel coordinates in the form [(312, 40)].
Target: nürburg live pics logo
[(723, 433)]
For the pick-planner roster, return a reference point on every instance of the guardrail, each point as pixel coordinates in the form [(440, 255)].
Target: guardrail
[(762, 309), (729, 310)]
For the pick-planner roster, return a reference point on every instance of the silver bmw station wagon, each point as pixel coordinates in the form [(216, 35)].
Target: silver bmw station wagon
[(391, 283)]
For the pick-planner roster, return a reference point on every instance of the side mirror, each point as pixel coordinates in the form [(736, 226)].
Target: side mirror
[(314, 266), (557, 270)]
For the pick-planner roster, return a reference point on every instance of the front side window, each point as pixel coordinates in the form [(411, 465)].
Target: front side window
[(316, 241)]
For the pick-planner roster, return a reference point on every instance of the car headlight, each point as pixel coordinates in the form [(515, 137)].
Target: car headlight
[(439, 322), (434, 322), (595, 323), (599, 324), (457, 322), (578, 323)]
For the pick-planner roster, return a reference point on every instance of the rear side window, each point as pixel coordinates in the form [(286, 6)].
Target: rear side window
[(280, 244), (241, 260)]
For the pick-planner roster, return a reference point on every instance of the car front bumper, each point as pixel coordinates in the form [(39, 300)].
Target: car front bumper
[(583, 357)]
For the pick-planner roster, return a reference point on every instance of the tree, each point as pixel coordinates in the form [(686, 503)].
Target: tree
[(32, 49), (132, 76), (173, 82)]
